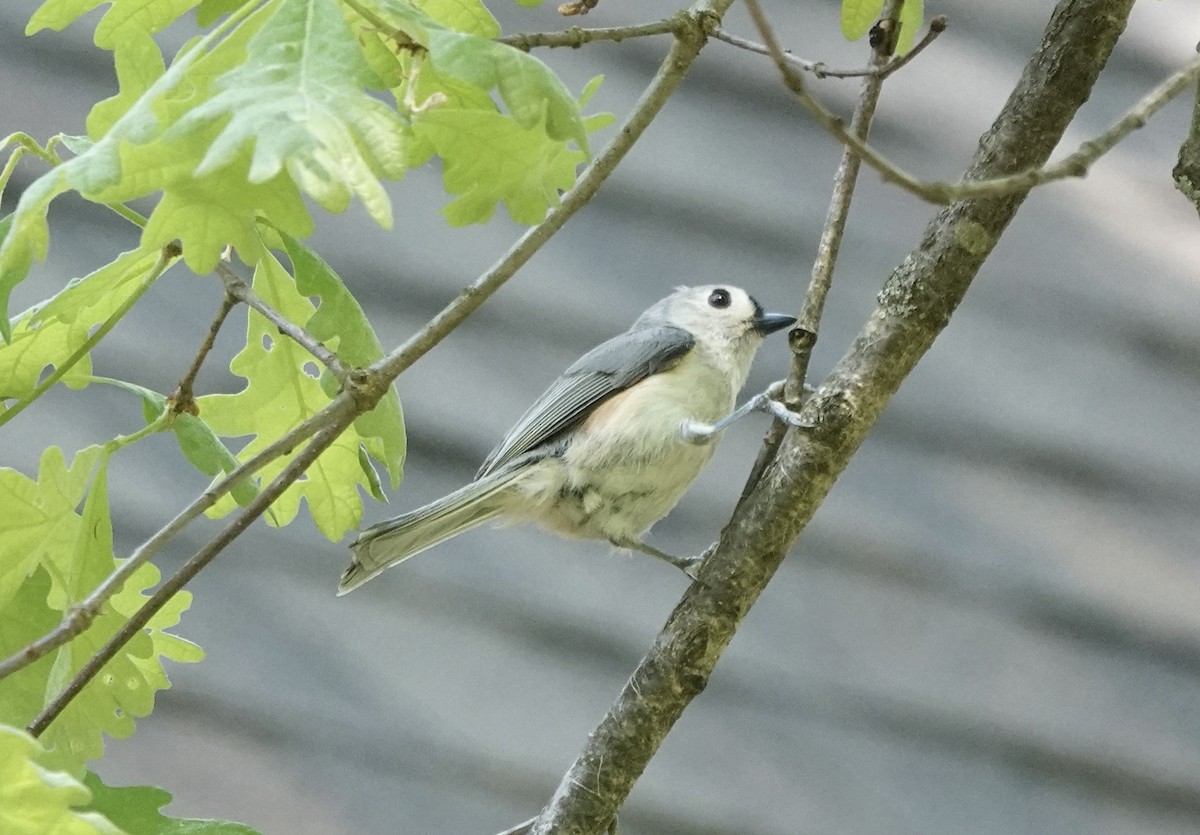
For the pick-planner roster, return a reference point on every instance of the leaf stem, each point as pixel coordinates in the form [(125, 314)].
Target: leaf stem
[(169, 253)]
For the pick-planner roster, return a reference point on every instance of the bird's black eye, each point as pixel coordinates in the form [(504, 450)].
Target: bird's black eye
[(720, 298)]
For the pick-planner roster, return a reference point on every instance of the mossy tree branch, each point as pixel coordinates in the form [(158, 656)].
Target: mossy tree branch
[(914, 306)]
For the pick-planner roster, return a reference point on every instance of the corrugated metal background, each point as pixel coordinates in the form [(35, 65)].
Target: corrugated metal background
[(992, 625)]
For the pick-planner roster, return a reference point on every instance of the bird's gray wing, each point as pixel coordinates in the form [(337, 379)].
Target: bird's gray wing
[(608, 368)]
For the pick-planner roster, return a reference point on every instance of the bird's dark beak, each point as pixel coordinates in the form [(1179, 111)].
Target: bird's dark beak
[(766, 323)]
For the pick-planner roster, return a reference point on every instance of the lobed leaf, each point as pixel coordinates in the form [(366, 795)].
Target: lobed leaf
[(299, 100), (39, 518), (35, 800), (80, 556), (534, 95), (136, 810), (282, 389), (125, 19), (339, 320), (489, 158), (46, 335)]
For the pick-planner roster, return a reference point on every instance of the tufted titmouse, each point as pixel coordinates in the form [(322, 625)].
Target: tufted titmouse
[(613, 444)]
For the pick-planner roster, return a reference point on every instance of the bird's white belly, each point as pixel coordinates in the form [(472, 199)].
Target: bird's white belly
[(627, 465)]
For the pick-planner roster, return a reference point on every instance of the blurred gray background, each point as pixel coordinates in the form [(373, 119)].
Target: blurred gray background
[(990, 627)]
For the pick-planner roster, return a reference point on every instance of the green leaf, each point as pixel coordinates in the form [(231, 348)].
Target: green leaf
[(858, 16), (125, 19), (100, 167), (209, 10), (139, 63), (283, 389), (199, 444), (469, 16), (39, 518), (47, 335), (136, 810), (489, 158), (67, 563), (299, 99), (35, 800), (125, 689), (26, 235), (911, 17), (534, 95), (340, 321)]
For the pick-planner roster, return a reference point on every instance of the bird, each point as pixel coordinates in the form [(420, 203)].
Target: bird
[(614, 443)]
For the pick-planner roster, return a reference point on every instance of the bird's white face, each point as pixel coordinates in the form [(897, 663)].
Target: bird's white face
[(725, 322), (714, 310)]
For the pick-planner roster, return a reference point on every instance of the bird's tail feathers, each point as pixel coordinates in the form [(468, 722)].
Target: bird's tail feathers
[(383, 545)]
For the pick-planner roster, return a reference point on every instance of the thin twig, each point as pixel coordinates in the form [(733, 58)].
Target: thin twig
[(183, 399), (818, 68), (241, 291), (80, 616), (576, 37), (169, 253), (520, 828), (803, 337), (1075, 165), (914, 307), (363, 390), (689, 39), (255, 508)]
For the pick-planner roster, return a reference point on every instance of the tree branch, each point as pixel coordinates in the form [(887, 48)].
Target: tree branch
[(818, 68), (255, 508), (363, 389), (914, 306), (183, 399), (1186, 172), (1075, 165), (803, 337), (576, 37)]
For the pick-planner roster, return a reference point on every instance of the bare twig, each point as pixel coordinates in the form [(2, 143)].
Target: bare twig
[(914, 306), (689, 39), (255, 508), (818, 68), (241, 291), (520, 828), (803, 337), (1075, 165), (363, 389), (183, 399), (80, 616), (576, 37)]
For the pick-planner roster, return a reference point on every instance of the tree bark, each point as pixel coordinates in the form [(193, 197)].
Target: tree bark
[(914, 306)]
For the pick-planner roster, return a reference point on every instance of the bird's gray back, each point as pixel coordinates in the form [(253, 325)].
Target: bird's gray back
[(610, 367)]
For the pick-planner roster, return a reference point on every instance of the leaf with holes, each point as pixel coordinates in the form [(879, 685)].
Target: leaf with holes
[(283, 389)]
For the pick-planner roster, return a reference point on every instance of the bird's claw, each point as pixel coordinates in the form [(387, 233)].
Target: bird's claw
[(769, 401)]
